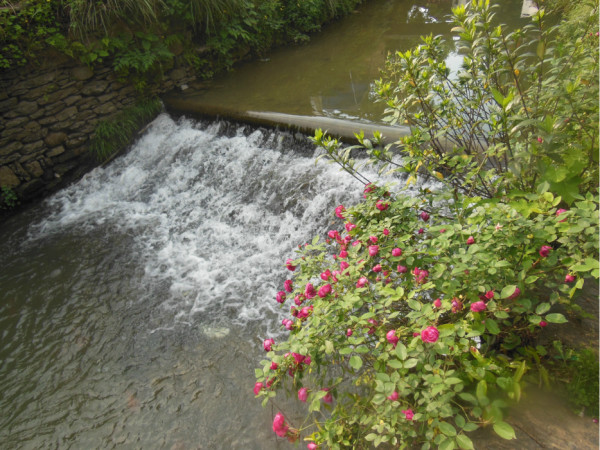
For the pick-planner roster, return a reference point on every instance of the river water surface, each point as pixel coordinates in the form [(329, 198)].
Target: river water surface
[(133, 304)]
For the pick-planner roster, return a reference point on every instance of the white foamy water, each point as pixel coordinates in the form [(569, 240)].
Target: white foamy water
[(211, 217)]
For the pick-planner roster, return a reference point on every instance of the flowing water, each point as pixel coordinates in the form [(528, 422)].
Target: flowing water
[(133, 304)]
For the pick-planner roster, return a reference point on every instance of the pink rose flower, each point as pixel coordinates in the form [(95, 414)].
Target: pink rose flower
[(408, 414), (386, 232), (373, 250), (420, 275), (430, 334), (288, 324), (339, 211), (324, 291), (258, 386), (377, 268), (540, 140), (437, 303), (298, 299), (305, 312), (298, 358), (543, 324), (289, 264), (268, 343), (545, 251), (373, 239), (470, 240), (478, 306), (515, 294), (343, 254), (311, 446), (559, 212), (393, 397), (457, 305), (382, 206), (303, 394), (280, 297), (274, 365), (349, 227), (325, 275), (328, 398), (569, 278), (309, 291), (334, 234), (489, 295), (391, 337), (362, 282), (279, 426), (370, 187), (349, 332), (397, 252), (421, 231), (288, 285), (344, 265), (424, 216), (402, 269), (443, 230)]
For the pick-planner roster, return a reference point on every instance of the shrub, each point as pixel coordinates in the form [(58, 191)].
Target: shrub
[(418, 333), (415, 321), (522, 110)]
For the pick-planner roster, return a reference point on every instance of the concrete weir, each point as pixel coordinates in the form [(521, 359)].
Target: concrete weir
[(344, 130)]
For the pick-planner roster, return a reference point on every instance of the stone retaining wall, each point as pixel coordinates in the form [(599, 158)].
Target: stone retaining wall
[(48, 116)]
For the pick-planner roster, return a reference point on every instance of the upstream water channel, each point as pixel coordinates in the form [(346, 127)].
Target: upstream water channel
[(133, 303)]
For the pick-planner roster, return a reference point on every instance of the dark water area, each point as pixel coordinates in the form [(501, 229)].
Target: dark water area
[(133, 303), (333, 74)]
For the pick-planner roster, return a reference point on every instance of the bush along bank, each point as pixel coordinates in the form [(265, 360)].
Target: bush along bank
[(77, 75), (415, 320), (142, 39)]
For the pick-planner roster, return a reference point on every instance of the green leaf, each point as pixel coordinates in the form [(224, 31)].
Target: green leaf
[(447, 444), (410, 363), (468, 397), (370, 437), (556, 318), (464, 442), (401, 351), (531, 279), (470, 426), (356, 362), (328, 347), (504, 430), (378, 399), (481, 390), (507, 291), (542, 308), (395, 364), (492, 326), (447, 429)]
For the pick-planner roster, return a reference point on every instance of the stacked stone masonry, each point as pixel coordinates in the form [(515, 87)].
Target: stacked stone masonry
[(48, 116)]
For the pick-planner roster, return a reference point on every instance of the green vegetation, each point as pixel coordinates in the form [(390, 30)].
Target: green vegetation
[(8, 198), (142, 38), (579, 371), (114, 134), (416, 319)]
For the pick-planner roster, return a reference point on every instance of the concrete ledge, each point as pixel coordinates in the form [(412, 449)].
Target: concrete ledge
[(342, 129)]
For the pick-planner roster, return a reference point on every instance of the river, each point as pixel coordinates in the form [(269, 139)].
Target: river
[(133, 303)]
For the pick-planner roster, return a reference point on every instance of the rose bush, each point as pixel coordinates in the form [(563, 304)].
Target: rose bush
[(415, 320), (446, 335)]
